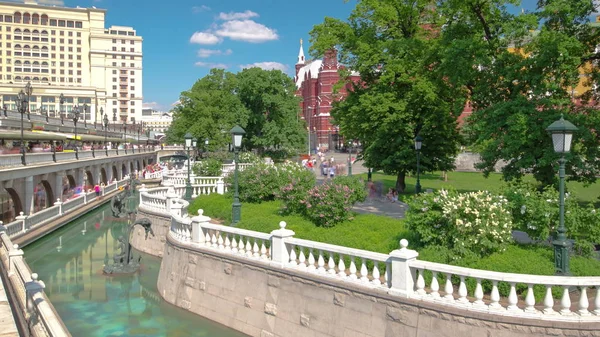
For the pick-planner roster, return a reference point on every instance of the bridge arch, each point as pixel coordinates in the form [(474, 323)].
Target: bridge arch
[(131, 167), (89, 180), (115, 172), (16, 203), (49, 193), (103, 177), (123, 170)]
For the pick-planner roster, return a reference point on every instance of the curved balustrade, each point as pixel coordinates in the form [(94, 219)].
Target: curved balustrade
[(12, 160), (399, 273)]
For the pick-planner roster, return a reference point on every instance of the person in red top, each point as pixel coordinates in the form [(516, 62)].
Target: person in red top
[(97, 190)]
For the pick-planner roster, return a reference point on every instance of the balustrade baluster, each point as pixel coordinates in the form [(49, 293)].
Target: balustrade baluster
[(495, 296), (341, 267), (352, 269), (234, 245), (293, 256), (321, 263), (478, 293), (376, 276), (462, 291), (512, 297), (207, 239), (364, 272), (213, 241), (565, 302), (331, 264), (255, 250), (248, 247), (220, 241), (227, 243), (584, 303), (597, 301), (435, 286), (302, 258), (420, 284), (311, 260), (548, 301), (448, 289), (263, 250), (530, 299)]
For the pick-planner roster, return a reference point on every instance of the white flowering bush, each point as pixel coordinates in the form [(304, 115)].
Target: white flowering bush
[(465, 223)]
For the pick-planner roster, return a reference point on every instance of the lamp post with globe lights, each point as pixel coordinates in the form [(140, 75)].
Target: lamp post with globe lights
[(28, 92), (75, 119), (22, 108), (105, 133), (237, 133), (418, 144), (562, 135)]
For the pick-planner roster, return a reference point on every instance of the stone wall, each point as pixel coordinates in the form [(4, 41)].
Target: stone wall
[(153, 244), (266, 301)]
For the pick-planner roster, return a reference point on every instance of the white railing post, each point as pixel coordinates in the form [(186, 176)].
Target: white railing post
[(171, 195), (143, 189), (84, 197), (176, 208), (220, 186), (403, 279), (59, 204), (197, 222), (31, 288), (279, 252), (21, 217), (12, 255)]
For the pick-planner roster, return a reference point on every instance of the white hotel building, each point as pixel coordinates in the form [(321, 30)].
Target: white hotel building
[(68, 51)]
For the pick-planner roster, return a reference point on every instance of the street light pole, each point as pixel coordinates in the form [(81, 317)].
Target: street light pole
[(75, 119), (562, 134), (61, 100), (236, 208), (21, 102), (188, 185), (105, 132), (418, 144), (28, 92)]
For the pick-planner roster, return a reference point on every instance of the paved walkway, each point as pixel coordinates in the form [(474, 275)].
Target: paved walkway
[(8, 327), (377, 206)]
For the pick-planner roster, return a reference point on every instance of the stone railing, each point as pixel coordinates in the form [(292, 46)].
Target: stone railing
[(24, 223), (200, 185), (29, 301), (12, 160), (399, 273), (228, 168), (153, 175)]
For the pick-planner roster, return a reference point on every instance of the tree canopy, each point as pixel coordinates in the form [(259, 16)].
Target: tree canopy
[(420, 61), (260, 101)]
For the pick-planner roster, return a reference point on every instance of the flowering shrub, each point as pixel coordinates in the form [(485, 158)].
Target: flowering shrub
[(262, 182), (328, 204), (357, 185), (465, 223), (209, 167), (298, 181), (249, 157)]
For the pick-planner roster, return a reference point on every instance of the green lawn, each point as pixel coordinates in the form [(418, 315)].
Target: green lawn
[(473, 181)]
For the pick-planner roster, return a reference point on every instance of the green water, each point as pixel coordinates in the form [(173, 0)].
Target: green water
[(70, 262)]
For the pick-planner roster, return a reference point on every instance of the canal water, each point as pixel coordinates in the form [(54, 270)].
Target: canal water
[(70, 262)]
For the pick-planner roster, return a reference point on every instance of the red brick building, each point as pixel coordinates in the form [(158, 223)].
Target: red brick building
[(314, 82)]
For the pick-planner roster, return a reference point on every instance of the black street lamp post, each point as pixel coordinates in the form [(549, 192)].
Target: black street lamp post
[(22, 107), (105, 132), (45, 113), (85, 112), (206, 142), (28, 92), (418, 143), (61, 100), (75, 119), (562, 135), (188, 185), (236, 208)]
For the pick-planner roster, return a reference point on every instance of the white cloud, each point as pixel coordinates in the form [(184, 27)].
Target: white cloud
[(204, 38), (177, 102), (151, 105), (199, 9), (213, 52), (237, 15), (266, 66), (246, 30), (43, 2), (210, 65)]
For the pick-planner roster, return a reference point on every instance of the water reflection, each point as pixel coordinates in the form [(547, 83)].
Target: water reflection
[(70, 262)]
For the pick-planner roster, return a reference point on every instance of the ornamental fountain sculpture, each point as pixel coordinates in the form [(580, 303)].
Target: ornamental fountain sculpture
[(122, 206)]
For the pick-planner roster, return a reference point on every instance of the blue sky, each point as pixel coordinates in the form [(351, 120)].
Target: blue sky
[(183, 39)]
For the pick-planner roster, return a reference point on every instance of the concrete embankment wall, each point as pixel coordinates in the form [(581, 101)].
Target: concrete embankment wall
[(268, 301), (153, 244)]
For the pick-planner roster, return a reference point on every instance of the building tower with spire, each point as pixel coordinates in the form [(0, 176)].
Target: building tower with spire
[(314, 82)]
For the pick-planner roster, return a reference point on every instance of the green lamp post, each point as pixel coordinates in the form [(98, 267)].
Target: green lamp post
[(188, 185), (562, 135), (418, 144), (349, 158), (236, 208)]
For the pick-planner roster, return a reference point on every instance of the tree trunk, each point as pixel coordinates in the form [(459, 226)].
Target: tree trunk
[(401, 182)]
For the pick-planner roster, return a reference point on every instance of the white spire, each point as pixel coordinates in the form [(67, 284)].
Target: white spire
[(301, 54)]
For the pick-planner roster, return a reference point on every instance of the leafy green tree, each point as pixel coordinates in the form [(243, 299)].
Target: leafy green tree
[(209, 110), (521, 72), (269, 96), (393, 45)]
